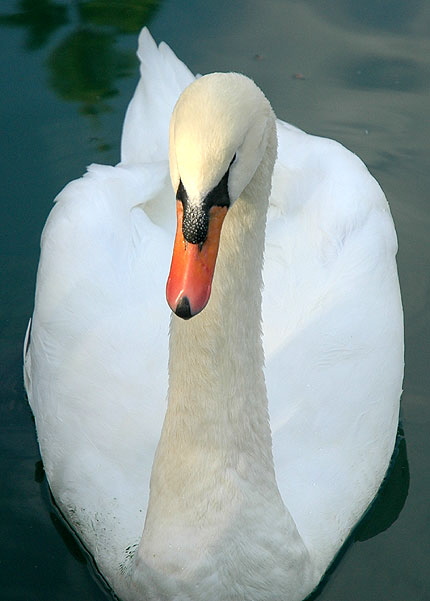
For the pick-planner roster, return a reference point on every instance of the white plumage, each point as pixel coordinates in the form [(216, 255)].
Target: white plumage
[(97, 366)]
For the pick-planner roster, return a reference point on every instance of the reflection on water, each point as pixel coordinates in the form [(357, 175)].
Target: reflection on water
[(391, 498), (40, 18), (366, 68), (84, 62), (85, 66)]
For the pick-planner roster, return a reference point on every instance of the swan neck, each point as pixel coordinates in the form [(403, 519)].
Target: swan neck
[(213, 492), (216, 358), (217, 396)]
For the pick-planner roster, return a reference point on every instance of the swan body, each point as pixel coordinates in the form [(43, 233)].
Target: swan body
[(239, 505)]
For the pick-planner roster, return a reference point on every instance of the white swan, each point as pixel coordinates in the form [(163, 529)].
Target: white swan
[(224, 520)]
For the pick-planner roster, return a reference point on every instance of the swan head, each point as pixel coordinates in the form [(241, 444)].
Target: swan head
[(219, 133)]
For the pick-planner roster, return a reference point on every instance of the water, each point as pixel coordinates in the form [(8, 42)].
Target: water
[(355, 71)]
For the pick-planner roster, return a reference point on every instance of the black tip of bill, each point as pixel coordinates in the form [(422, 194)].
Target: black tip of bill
[(183, 308)]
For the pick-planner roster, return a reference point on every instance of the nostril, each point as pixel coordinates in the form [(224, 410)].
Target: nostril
[(183, 308)]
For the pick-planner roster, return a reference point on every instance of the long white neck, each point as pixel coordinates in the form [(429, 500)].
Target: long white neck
[(216, 388), (213, 488), (217, 412)]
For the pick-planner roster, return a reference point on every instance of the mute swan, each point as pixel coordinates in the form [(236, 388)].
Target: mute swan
[(236, 509)]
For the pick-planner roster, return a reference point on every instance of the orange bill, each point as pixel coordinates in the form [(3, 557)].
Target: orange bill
[(191, 271)]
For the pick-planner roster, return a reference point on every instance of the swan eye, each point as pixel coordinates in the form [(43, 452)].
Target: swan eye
[(181, 194), (219, 196)]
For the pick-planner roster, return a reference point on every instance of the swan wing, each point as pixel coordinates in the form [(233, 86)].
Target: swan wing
[(96, 364), (332, 335)]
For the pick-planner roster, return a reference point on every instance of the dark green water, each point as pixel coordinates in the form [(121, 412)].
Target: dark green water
[(354, 70)]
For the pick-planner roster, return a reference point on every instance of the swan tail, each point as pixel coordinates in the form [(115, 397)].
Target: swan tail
[(162, 79)]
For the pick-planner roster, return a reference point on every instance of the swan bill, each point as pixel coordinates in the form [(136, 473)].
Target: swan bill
[(191, 271)]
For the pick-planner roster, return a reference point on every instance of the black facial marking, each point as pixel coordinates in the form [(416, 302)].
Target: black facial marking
[(196, 218), (218, 196), (181, 194)]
